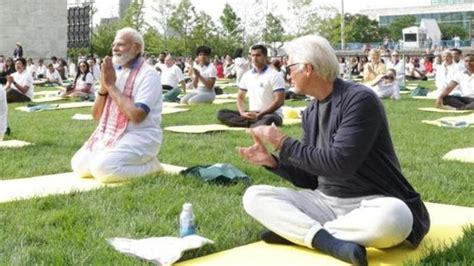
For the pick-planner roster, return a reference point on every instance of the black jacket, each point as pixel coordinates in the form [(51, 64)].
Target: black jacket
[(360, 151)]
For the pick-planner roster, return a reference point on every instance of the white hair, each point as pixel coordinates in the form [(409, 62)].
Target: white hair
[(315, 50), (134, 35)]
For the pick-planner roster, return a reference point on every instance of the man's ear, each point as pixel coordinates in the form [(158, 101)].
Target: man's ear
[(308, 70)]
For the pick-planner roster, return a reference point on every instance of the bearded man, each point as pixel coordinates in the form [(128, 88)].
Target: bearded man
[(128, 108)]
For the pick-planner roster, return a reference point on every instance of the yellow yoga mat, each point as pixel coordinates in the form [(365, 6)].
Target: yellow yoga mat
[(41, 186), (200, 129), (465, 155), (452, 121), (82, 117), (172, 104), (227, 96), (433, 97), (47, 99), (46, 93), (223, 101), (13, 143), (172, 110), (438, 110), (447, 223)]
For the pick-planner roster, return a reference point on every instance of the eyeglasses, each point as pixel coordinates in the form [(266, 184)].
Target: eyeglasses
[(288, 68)]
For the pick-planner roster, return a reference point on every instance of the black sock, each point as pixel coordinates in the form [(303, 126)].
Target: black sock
[(344, 250), (272, 238)]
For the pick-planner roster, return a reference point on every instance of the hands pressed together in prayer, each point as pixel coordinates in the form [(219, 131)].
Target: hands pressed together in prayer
[(108, 76), (250, 115), (257, 153)]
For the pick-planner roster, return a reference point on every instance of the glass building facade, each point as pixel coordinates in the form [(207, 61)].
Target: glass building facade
[(450, 2), (463, 19)]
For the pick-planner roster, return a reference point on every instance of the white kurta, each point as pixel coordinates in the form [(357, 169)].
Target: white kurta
[(134, 153)]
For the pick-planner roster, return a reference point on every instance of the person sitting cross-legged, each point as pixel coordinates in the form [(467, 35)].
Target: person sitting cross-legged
[(465, 80), (128, 107), (19, 87), (171, 76), (204, 78), (353, 194), (386, 86), (82, 84), (266, 89)]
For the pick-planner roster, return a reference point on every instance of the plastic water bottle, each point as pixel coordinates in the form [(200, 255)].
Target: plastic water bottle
[(187, 225)]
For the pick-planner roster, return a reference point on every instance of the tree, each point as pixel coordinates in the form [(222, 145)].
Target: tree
[(231, 25), (273, 31), (154, 43), (448, 31), (230, 33), (182, 21), (162, 17), (203, 31), (301, 16), (358, 28), (103, 38), (395, 28), (361, 29), (134, 16)]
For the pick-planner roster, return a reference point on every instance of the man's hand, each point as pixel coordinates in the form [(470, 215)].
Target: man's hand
[(107, 78), (10, 79), (249, 115), (257, 153), (269, 134), (196, 73)]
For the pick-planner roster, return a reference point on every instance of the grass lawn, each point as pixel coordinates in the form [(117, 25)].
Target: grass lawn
[(71, 229)]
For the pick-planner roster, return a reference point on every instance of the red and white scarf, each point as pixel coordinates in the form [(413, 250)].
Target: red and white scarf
[(113, 122)]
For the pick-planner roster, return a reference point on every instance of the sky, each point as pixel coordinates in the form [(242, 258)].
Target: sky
[(214, 8)]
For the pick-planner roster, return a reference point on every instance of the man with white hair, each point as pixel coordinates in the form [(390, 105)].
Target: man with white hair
[(128, 107), (353, 192), (171, 76)]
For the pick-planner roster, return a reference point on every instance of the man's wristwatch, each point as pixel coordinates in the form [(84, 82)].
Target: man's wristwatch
[(102, 94)]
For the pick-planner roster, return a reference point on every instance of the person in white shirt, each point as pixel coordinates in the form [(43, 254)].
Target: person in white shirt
[(54, 61), (204, 78), (465, 80), (241, 64), (53, 77), (82, 84), (266, 89), (171, 76), (3, 112), (41, 69), (399, 66), (19, 87), (128, 107), (444, 74), (457, 59), (94, 68), (30, 67), (386, 86)]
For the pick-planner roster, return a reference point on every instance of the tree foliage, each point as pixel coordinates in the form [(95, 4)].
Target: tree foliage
[(182, 22), (273, 31), (448, 31), (396, 27)]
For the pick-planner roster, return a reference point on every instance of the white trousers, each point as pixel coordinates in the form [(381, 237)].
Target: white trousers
[(111, 165), (372, 221)]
